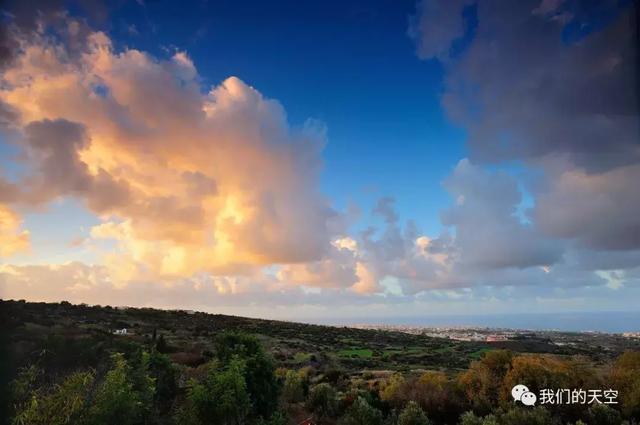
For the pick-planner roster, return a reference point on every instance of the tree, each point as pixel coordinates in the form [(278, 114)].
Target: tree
[(527, 416), (122, 399), (223, 396), (601, 414), (361, 413), (323, 401), (165, 375), (392, 391), (436, 395), (625, 378), (23, 386), (469, 418), (292, 389), (412, 414), (277, 419), (161, 344), (259, 371), (482, 383), (65, 404), (538, 372)]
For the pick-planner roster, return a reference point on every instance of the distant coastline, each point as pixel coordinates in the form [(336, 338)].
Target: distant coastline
[(606, 322)]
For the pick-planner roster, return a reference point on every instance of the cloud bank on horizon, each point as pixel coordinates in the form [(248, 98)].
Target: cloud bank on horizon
[(207, 197)]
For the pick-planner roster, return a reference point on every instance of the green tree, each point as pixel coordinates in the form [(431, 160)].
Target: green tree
[(165, 375), (361, 413), (277, 419), (469, 418), (323, 401), (25, 383), (259, 371), (222, 397), (601, 414), (412, 414), (65, 404), (527, 416), (123, 397), (293, 388)]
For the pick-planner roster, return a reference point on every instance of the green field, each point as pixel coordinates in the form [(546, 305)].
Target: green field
[(363, 353)]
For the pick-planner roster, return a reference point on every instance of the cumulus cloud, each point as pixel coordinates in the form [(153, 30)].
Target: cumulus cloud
[(488, 232), (524, 91), (209, 197), (598, 210), (185, 180), (554, 85)]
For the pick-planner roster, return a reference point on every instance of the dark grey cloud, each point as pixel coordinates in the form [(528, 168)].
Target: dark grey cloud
[(600, 211), (436, 25), (52, 154), (488, 231), (525, 92), (552, 84), (21, 20)]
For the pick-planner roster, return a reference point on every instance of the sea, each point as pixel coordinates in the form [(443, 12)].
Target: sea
[(606, 322)]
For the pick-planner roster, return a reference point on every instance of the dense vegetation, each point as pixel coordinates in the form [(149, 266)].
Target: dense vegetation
[(64, 365)]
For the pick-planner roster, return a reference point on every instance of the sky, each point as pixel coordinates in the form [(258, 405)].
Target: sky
[(322, 160)]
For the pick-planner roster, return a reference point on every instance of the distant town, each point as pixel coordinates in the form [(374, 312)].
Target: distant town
[(487, 334)]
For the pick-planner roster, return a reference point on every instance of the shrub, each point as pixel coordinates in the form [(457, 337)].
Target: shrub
[(65, 404), (361, 413), (293, 388), (259, 371), (223, 395), (121, 399), (625, 377), (323, 401), (412, 414)]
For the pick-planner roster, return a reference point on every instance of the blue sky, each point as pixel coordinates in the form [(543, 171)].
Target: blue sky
[(160, 153), (352, 66)]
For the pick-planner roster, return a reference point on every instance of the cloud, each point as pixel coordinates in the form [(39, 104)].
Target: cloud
[(436, 25), (187, 181), (208, 196), (523, 91), (553, 86), (13, 240), (488, 233), (599, 211)]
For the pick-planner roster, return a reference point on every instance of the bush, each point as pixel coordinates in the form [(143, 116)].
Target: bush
[(625, 377), (293, 388), (361, 413), (469, 418), (412, 414), (65, 404), (223, 395), (527, 416), (482, 382), (120, 399), (259, 372), (323, 401), (601, 414)]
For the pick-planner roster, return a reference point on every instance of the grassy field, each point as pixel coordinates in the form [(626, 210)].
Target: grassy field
[(37, 328)]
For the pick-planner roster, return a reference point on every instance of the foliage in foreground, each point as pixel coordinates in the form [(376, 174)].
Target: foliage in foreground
[(240, 386)]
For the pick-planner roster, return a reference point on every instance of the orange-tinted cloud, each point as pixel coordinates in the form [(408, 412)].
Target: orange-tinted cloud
[(12, 239), (184, 181)]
